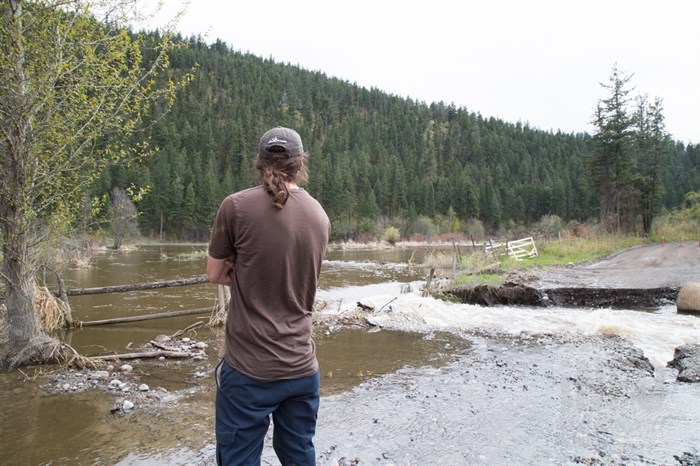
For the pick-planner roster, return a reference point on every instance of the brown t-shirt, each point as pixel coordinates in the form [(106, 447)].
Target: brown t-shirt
[(277, 256)]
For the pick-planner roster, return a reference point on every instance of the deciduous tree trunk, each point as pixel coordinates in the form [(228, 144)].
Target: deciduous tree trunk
[(25, 338), (69, 77)]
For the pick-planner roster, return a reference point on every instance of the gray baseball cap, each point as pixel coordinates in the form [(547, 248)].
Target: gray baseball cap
[(281, 140)]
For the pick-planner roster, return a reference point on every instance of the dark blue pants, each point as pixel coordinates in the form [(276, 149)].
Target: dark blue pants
[(243, 409)]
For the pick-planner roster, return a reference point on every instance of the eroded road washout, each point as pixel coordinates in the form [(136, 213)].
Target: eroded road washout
[(535, 398), (636, 278), (512, 293)]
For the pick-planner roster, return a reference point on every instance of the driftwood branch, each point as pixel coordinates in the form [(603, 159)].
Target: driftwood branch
[(364, 307), (138, 286), (143, 355), (187, 329), (119, 320), (380, 309), (161, 347)]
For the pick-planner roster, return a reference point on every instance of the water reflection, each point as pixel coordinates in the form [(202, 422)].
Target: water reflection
[(348, 356), (50, 429)]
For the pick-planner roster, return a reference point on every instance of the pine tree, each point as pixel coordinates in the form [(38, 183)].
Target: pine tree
[(611, 162), (651, 146)]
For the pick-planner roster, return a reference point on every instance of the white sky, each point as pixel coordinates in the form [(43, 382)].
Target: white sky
[(534, 61)]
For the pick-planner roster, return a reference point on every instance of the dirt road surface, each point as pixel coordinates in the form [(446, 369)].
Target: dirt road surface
[(668, 265)]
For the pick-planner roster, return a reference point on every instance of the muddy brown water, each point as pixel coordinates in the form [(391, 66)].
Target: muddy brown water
[(440, 383), (78, 429), (38, 428)]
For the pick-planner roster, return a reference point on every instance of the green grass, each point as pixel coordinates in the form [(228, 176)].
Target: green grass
[(568, 250), (478, 279), (573, 251)]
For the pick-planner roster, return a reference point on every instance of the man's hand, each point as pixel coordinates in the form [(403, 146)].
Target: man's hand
[(220, 271)]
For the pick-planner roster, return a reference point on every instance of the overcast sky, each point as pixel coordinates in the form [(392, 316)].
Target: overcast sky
[(534, 61)]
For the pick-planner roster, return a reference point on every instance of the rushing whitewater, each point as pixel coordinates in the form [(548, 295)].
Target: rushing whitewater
[(656, 332)]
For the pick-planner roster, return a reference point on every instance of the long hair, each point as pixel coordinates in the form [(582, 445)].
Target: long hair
[(276, 171)]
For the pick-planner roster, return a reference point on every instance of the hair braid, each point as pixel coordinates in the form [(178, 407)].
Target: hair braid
[(275, 172)]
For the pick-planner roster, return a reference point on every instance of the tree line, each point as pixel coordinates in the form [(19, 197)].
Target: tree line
[(376, 157)]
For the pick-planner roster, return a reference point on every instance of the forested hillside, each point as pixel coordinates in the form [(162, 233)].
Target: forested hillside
[(374, 158)]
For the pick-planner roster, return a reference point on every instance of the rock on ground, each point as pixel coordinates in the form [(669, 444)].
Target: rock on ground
[(686, 359)]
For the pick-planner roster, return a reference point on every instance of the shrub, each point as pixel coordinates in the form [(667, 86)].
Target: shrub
[(475, 228), (550, 225), (422, 227), (391, 235)]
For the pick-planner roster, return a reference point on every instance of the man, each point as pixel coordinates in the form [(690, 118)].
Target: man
[(268, 244)]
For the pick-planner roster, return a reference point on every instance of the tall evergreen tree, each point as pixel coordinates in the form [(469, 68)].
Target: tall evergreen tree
[(651, 146), (611, 160)]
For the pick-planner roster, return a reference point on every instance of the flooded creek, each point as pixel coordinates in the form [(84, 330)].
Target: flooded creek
[(78, 429), (431, 383)]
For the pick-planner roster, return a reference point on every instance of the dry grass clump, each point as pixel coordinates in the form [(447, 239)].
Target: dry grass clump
[(217, 317), (439, 259), (79, 361), (471, 262), (52, 311), (4, 333)]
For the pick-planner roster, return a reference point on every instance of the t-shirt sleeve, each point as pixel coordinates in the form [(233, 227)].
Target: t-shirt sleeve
[(221, 244)]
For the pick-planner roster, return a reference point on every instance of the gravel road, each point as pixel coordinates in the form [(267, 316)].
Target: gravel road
[(652, 266)]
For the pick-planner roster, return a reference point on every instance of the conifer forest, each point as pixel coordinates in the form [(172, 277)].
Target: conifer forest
[(375, 159)]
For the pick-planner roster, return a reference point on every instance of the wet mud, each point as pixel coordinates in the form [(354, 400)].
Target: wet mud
[(523, 295), (686, 359)]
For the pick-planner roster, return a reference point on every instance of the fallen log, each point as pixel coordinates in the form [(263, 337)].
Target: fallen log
[(164, 315), (143, 355), (137, 287)]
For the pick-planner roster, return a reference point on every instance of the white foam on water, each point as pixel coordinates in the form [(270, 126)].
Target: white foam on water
[(657, 334)]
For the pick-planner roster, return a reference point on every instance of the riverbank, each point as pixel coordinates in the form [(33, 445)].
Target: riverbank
[(533, 400)]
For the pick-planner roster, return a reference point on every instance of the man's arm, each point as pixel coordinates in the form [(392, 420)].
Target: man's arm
[(220, 271)]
